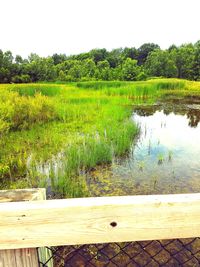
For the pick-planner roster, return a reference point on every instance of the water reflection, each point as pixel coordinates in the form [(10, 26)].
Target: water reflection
[(164, 159), (191, 111)]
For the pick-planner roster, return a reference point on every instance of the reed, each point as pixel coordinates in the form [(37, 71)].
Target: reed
[(87, 123)]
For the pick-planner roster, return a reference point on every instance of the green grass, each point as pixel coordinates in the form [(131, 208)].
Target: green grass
[(169, 84), (87, 123), (90, 128), (33, 89), (101, 84)]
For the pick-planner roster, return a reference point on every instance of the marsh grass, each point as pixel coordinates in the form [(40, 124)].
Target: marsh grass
[(89, 122), (91, 128), (160, 159), (34, 89), (169, 84), (101, 85)]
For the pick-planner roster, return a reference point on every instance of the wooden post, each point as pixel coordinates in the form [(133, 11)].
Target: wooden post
[(19, 258), (26, 257)]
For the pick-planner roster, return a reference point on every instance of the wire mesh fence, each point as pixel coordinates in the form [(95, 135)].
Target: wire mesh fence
[(166, 253)]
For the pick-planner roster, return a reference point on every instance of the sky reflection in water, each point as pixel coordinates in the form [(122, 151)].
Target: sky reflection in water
[(164, 159)]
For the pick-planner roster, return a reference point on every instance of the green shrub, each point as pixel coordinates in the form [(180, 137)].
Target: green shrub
[(21, 112), (24, 78)]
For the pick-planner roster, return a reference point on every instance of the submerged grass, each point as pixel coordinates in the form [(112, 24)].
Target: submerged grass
[(52, 134)]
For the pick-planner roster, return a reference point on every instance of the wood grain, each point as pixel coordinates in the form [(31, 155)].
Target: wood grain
[(19, 258), (99, 220), (26, 257), (22, 195)]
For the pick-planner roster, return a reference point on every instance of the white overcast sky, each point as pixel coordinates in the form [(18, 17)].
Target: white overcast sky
[(73, 26)]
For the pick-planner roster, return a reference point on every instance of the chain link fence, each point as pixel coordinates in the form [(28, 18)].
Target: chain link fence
[(166, 253)]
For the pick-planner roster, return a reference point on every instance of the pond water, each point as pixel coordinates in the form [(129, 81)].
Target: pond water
[(165, 158)]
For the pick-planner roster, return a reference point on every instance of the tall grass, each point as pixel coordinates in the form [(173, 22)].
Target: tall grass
[(34, 89), (169, 84), (96, 147), (101, 84), (88, 123), (90, 127), (134, 90)]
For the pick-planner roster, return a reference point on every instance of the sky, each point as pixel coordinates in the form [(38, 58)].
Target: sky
[(46, 27)]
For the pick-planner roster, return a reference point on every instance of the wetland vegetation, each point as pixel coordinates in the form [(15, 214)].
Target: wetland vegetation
[(77, 139)]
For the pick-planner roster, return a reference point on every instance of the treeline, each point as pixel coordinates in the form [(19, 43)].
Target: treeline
[(128, 64)]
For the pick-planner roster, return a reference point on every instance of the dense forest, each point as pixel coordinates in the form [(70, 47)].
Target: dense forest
[(128, 64)]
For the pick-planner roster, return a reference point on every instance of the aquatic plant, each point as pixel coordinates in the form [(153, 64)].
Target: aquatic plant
[(141, 165), (89, 127), (170, 154), (90, 123), (160, 158)]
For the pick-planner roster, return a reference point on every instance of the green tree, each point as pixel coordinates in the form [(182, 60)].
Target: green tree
[(161, 63), (130, 70), (58, 58), (115, 57), (184, 58), (75, 72), (62, 76), (196, 63), (19, 59), (99, 54), (144, 51), (6, 66), (41, 69), (130, 53), (88, 68), (103, 70)]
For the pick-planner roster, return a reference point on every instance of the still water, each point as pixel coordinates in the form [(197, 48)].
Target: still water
[(165, 157)]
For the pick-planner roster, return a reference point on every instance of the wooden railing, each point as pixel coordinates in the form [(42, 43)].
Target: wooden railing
[(30, 224), (24, 257)]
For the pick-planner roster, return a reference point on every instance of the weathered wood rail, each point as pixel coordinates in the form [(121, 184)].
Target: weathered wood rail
[(22, 257), (98, 220)]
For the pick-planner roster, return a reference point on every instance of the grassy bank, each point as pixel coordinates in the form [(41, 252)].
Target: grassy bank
[(53, 134), (88, 128)]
